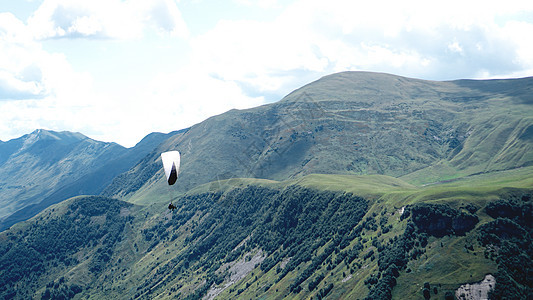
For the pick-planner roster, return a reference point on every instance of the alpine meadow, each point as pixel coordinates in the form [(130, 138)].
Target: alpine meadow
[(359, 185)]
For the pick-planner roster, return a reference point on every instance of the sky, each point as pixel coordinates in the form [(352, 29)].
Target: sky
[(117, 70)]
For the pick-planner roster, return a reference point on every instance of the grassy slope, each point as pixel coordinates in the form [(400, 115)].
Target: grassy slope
[(138, 264), (355, 123), (448, 266), (497, 137), (352, 124)]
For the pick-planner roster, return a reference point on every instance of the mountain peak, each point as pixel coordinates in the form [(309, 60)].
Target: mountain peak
[(44, 135), (359, 123), (360, 86), (57, 135)]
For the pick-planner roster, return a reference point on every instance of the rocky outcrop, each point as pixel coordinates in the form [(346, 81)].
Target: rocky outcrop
[(476, 291)]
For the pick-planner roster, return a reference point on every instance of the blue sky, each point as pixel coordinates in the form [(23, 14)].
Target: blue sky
[(116, 70)]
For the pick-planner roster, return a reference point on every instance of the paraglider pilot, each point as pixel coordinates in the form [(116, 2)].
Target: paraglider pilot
[(172, 207)]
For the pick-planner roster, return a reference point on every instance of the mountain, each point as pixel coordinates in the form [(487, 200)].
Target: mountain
[(316, 237), (356, 123), (356, 186), (46, 167)]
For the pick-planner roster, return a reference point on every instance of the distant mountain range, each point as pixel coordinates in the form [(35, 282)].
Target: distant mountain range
[(46, 167), (357, 186)]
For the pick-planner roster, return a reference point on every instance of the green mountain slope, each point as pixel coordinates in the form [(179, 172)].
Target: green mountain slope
[(356, 123), (357, 186), (296, 239)]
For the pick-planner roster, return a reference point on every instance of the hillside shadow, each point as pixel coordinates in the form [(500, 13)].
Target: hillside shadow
[(520, 89)]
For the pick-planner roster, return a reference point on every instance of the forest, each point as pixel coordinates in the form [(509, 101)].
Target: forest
[(299, 235)]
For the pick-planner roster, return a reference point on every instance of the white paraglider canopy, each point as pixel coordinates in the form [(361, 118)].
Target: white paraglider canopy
[(171, 164)]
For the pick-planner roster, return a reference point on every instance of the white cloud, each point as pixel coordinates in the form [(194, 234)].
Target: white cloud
[(261, 56), (239, 62), (20, 78), (38, 89), (447, 40), (260, 3), (191, 95), (165, 16), (54, 95), (14, 88), (455, 47), (170, 101), (105, 19), (518, 35), (29, 72)]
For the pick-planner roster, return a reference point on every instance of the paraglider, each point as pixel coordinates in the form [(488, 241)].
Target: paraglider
[(171, 165)]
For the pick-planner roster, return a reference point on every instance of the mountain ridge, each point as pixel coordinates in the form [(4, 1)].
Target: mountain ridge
[(359, 123), (323, 194), (295, 239)]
